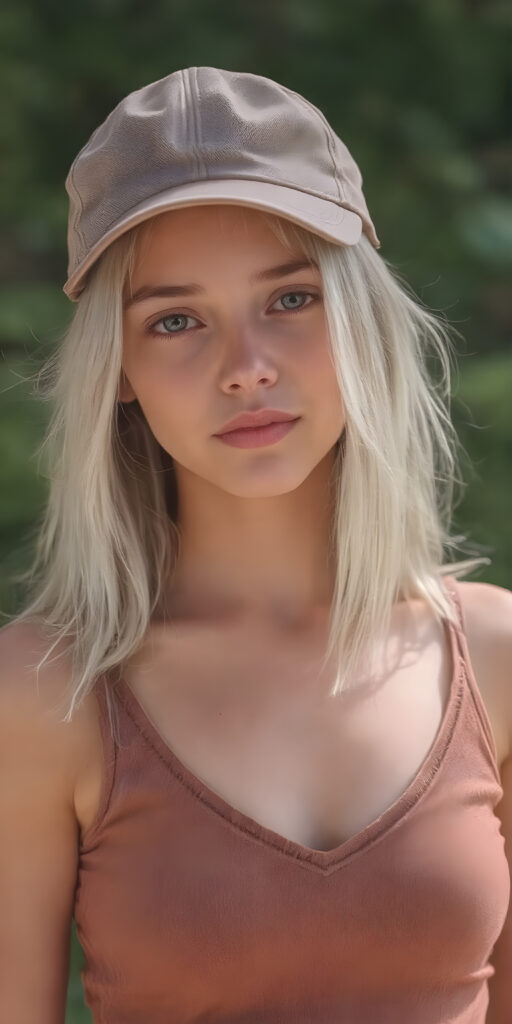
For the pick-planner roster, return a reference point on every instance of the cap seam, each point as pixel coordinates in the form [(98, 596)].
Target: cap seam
[(202, 166), (80, 211), (189, 101), (71, 175), (328, 132), (242, 177), (187, 83)]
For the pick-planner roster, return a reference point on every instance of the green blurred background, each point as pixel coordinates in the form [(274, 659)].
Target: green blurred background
[(422, 95)]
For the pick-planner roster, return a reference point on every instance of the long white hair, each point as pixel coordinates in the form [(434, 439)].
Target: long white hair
[(108, 539)]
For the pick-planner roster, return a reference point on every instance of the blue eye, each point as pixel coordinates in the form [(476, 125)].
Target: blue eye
[(151, 328), (170, 317), (302, 294)]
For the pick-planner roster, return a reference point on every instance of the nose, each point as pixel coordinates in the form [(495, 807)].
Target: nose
[(247, 363)]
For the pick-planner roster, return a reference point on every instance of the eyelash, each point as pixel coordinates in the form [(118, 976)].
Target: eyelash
[(150, 329)]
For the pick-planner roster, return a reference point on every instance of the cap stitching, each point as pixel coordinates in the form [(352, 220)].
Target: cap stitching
[(71, 179), (188, 88), (271, 181), (192, 125), (79, 212), (242, 177), (328, 133), (203, 168)]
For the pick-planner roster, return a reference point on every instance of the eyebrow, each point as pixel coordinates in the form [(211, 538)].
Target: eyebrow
[(172, 290)]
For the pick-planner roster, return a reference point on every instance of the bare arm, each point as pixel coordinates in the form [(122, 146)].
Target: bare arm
[(39, 844), (500, 985), (488, 615)]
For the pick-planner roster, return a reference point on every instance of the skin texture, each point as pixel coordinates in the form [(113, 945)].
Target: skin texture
[(254, 538), (254, 522)]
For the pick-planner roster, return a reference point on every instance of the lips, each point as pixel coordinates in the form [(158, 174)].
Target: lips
[(258, 437), (257, 418)]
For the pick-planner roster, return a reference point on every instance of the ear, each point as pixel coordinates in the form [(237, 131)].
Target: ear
[(125, 390)]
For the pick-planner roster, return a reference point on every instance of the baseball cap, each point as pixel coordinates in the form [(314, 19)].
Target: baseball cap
[(206, 135)]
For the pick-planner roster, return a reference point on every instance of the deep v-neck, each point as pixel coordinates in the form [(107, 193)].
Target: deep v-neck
[(323, 861)]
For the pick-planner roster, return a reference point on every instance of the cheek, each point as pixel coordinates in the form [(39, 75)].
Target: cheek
[(172, 406)]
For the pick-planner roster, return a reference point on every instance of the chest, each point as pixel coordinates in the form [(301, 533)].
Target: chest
[(255, 721)]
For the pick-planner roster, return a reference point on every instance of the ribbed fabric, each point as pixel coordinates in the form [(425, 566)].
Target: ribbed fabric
[(188, 910)]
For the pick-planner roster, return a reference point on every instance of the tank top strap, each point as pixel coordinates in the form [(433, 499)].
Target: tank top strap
[(452, 586), (109, 727)]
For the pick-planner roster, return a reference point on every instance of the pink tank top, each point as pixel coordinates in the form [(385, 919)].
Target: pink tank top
[(187, 910)]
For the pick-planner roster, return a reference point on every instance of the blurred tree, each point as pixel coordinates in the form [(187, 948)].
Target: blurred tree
[(420, 93)]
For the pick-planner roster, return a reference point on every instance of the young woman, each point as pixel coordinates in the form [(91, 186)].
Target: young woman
[(273, 794)]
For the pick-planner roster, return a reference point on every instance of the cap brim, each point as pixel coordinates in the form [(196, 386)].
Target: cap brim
[(324, 218)]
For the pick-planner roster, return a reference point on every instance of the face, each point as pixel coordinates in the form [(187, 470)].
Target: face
[(237, 343)]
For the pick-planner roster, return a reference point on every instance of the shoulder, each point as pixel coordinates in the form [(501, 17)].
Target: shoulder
[(487, 614), (40, 830), (34, 701), (487, 611)]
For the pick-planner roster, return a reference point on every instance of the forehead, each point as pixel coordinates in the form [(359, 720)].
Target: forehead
[(204, 219), (208, 237), (213, 244)]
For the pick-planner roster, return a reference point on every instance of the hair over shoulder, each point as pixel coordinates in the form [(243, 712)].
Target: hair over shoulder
[(108, 539)]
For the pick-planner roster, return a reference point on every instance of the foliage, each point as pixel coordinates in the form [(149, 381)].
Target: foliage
[(421, 95)]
